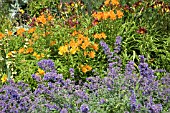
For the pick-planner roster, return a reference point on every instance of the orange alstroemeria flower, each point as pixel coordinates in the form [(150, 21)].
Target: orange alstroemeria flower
[(119, 14), (92, 54), (49, 18), (29, 50), (31, 30), (1, 35), (74, 33), (106, 3), (106, 15), (112, 15), (85, 68), (89, 68), (21, 50), (52, 43), (42, 19), (103, 35), (9, 33), (20, 31), (85, 53), (114, 2), (73, 43), (95, 46)]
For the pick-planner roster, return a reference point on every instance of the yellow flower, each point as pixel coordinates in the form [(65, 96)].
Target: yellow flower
[(9, 54), (42, 55), (41, 72), (21, 11), (4, 78), (38, 57), (63, 49), (74, 50), (34, 54)]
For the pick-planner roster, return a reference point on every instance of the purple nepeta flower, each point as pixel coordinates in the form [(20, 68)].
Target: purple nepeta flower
[(102, 101), (129, 68), (36, 77), (109, 82), (145, 71), (47, 65), (133, 101), (142, 58), (52, 76), (64, 110), (117, 44), (154, 108), (81, 94), (106, 49), (84, 108), (71, 70)]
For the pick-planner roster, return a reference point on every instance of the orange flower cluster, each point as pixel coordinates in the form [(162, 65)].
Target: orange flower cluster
[(85, 68), (110, 14), (91, 54), (100, 35), (44, 19), (82, 42)]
